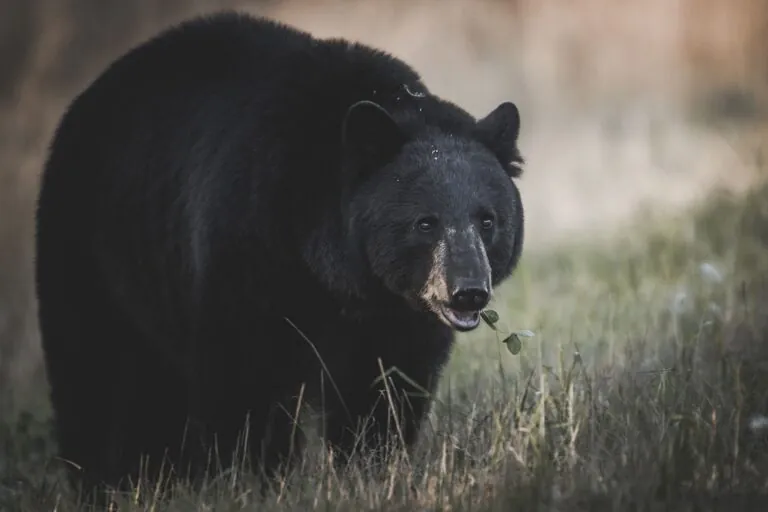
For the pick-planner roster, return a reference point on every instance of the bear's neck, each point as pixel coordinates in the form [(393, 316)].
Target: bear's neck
[(340, 267)]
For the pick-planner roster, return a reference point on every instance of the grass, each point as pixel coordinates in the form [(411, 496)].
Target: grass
[(644, 388)]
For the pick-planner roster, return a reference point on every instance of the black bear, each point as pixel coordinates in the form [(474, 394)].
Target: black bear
[(237, 216)]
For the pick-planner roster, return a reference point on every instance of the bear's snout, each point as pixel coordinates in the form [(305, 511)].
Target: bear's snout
[(470, 295), (459, 283)]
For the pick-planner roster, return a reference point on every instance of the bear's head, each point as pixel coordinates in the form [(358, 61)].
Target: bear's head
[(433, 212)]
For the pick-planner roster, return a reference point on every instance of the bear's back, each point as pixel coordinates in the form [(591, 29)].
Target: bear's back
[(255, 62)]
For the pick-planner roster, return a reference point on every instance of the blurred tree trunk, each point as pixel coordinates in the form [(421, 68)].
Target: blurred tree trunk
[(17, 29)]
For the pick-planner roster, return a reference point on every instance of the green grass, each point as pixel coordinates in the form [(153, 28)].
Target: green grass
[(638, 391)]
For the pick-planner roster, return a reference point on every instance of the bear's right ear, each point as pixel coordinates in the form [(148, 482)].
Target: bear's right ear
[(499, 131), (370, 137)]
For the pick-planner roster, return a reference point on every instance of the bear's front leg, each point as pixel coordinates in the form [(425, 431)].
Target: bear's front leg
[(215, 418), (243, 396), (377, 421)]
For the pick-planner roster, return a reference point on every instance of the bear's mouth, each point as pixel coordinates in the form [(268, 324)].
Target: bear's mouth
[(460, 320)]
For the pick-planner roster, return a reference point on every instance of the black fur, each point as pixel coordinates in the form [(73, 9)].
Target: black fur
[(213, 193)]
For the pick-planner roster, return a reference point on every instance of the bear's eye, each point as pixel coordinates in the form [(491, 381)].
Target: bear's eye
[(426, 224), (487, 222)]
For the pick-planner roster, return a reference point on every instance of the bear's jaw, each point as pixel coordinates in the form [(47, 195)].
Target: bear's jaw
[(462, 321)]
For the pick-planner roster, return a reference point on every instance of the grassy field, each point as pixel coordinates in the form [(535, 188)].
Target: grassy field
[(645, 387)]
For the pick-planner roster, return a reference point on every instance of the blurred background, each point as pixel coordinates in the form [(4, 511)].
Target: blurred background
[(629, 108)]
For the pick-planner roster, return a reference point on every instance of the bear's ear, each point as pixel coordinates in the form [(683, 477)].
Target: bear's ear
[(499, 131), (370, 137)]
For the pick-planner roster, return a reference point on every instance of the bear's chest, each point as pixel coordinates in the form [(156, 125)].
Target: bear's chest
[(345, 339)]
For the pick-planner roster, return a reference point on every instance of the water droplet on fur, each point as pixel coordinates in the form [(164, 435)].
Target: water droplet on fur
[(435, 153), (412, 93)]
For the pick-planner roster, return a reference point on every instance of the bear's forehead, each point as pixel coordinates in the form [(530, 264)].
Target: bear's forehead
[(448, 146), (447, 158), (457, 187)]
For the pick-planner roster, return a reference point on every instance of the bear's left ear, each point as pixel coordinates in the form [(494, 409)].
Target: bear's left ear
[(499, 131), (370, 138)]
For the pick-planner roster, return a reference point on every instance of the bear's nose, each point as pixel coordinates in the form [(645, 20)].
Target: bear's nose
[(470, 296)]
